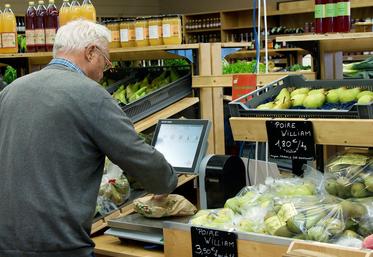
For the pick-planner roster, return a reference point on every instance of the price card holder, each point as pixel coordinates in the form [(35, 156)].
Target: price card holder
[(291, 140), (213, 243)]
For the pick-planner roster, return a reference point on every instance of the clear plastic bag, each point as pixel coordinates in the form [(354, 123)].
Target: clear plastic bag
[(114, 189), (350, 175), (217, 218)]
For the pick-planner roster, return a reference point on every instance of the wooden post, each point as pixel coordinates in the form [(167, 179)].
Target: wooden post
[(206, 94), (217, 99)]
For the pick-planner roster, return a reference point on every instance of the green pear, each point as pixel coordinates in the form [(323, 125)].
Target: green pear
[(368, 181), (358, 210), (332, 96), (358, 190), (313, 216), (331, 186), (297, 100), (282, 104), (300, 91), (317, 91), (265, 106), (334, 226), (363, 93), (284, 93), (284, 232), (348, 95), (318, 233), (365, 99), (314, 101), (343, 187), (351, 234), (297, 223)]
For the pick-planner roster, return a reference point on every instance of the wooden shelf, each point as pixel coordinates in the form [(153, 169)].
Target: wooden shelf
[(236, 44), (202, 30), (346, 134), (334, 42), (356, 58), (165, 113), (237, 28), (252, 53)]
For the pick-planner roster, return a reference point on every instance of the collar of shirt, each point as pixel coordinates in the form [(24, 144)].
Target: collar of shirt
[(66, 63)]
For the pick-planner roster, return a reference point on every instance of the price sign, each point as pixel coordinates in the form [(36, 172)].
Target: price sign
[(213, 243), (291, 140)]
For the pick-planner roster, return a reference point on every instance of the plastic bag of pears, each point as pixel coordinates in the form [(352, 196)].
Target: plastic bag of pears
[(306, 217), (114, 188), (217, 219), (350, 174)]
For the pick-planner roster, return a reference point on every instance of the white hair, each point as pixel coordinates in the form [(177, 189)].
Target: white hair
[(78, 34)]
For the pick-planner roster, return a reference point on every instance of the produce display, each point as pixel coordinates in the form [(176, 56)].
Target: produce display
[(350, 175), (242, 67), (126, 94), (295, 208), (318, 98), (359, 70)]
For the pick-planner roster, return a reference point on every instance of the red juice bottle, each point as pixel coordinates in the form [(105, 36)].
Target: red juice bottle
[(342, 21), (41, 13), (30, 27), (51, 25), (330, 13), (319, 15)]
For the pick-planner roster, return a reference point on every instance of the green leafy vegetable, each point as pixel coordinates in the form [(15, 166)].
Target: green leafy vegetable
[(10, 74), (242, 67)]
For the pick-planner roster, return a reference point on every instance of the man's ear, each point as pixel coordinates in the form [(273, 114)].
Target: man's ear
[(89, 52)]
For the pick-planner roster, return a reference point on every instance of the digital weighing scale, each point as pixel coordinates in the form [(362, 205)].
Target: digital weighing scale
[(183, 142)]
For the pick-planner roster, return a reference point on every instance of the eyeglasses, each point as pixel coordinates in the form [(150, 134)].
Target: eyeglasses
[(108, 63)]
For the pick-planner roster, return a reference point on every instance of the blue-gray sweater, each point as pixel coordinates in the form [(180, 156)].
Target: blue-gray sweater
[(56, 126)]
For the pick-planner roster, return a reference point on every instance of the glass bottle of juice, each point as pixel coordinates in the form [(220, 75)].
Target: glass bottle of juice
[(51, 25), (88, 10), (330, 12), (9, 31), (30, 27), (342, 21), (41, 13), (319, 15), (75, 10), (64, 13)]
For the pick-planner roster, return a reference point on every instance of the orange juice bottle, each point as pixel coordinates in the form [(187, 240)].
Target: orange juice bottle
[(64, 13), (88, 10), (75, 10), (9, 31)]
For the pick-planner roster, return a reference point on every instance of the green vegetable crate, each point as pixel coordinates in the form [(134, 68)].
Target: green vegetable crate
[(245, 106), (160, 97)]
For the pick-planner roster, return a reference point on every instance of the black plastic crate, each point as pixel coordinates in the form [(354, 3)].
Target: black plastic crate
[(245, 106), (159, 99)]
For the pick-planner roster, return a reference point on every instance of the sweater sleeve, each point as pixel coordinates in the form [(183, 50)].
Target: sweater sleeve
[(116, 137)]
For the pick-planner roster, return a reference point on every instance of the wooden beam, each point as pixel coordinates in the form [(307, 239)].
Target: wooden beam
[(165, 113), (254, 129)]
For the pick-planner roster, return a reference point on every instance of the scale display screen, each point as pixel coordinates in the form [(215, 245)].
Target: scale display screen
[(182, 142)]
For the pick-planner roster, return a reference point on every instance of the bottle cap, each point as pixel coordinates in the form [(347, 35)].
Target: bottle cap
[(31, 3), (7, 5), (51, 1), (41, 2)]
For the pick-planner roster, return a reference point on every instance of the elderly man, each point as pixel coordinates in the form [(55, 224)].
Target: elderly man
[(56, 126)]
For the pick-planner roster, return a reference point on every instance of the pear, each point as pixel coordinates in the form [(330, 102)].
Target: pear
[(317, 91), (348, 95), (284, 232), (331, 186), (343, 187), (366, 92), (368, 181), (314, 101), (358, 190), (284, 93), (332, 96), (365, 99), (297, 100), (300, 91), (265, 106), (285, 103)]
